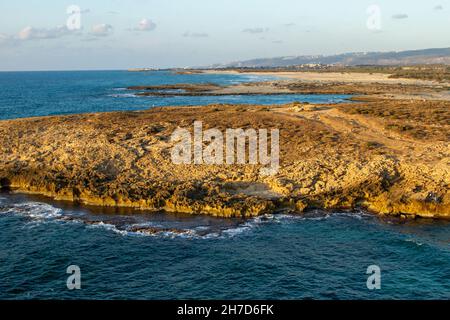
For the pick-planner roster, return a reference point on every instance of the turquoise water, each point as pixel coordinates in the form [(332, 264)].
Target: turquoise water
[(319, 255)]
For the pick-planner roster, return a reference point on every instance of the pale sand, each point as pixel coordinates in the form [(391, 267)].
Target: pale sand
[(349, 78), (334, 77)]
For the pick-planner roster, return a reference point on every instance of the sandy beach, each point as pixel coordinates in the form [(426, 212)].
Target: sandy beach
[(347, 77), (375, 85)]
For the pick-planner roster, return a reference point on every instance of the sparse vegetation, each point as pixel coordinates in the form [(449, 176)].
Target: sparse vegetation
[(415, 118), (422, 72), (436, 72)]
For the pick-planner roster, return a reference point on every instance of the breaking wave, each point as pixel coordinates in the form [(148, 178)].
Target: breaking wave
[(32, 210), (123, 95), (38, 212)]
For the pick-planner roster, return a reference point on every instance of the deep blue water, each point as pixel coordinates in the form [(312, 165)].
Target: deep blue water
[(318, 255), (28, 94)]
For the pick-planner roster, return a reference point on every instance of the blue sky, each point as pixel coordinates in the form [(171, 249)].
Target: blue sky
[(118, 34)]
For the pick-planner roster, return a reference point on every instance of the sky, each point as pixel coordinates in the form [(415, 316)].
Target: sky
[(121, 34)]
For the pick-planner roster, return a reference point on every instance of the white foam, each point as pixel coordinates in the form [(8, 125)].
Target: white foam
[(42, 212), (415, 241), (232, 232), (200, 232), (109, 227), (188, 234), (150, 224), (182, 233), (355, 215), (123, 95), (202, 228), (36, 210)]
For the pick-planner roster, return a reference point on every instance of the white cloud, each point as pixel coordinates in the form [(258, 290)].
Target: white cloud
[(102, 30), (89, 39), (195, 35), (400, 16), (74, 9), (4, 37), (255, 30), (145, 25), (31, 33), (6, 40), (439, 7)]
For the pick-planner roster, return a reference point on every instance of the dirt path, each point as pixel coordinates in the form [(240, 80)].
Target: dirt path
[(372, 131), (369, 130)]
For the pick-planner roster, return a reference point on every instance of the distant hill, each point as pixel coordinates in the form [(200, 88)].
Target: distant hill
[(411, 57)]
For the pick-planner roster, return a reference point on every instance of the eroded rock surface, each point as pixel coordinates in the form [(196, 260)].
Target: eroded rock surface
[(330, 157)]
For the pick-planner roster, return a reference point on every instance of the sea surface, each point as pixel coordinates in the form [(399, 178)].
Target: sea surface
[(29, 94), (142, 255)]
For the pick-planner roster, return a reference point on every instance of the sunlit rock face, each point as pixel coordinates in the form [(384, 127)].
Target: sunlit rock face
[(331, 156)]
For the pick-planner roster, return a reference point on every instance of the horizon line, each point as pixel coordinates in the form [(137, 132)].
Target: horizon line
[(223, 63)]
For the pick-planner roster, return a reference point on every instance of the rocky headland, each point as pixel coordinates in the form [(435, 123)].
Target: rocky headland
[(388, 156)]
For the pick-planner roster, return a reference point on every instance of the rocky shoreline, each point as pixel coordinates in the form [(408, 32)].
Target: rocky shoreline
[(400, 89), (331, 157)]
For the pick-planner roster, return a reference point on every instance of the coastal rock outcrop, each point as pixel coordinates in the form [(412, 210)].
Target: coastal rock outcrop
[(330, 157)]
